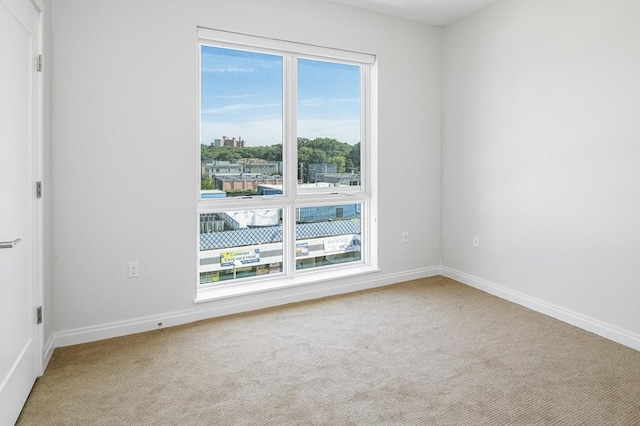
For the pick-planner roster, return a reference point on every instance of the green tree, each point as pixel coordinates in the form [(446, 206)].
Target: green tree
[(316, 151), (318, 157), (349, 165), (354, 156), (339, 161), (304, 154), (240, 192), (206, 183), (226, 153), (207, 152)]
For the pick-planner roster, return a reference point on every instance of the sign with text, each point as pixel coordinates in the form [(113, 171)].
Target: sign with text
[(337, 244), (239, 257)]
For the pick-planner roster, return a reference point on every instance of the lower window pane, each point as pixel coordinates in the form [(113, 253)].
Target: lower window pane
[(327, 235), (240, 244)]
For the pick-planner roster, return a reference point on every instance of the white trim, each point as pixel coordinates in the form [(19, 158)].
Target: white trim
[(18, 365), (278, 297), (38, 203), (289, 157), (603, 329), (48, 352), (39, 5), (252, 42), (235, 305), (369, 167), (267, 284), (292, 197)]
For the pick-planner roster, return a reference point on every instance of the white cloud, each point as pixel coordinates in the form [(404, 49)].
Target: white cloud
[(212, 70), (244, 95), (238, 107), (314, 102)]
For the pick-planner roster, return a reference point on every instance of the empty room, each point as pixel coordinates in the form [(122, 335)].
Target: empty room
[(320, 212)]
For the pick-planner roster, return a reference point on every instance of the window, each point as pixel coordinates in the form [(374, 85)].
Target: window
[(287, 154)]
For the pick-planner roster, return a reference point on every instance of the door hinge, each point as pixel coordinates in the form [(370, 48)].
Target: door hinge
[(39, 189), (39, 315), (39, 64)]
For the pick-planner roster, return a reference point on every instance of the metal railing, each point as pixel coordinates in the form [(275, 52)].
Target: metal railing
[(273, 234)]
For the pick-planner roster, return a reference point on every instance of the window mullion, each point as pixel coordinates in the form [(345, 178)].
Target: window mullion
[(370, 162), (364, 129), (290, 147)]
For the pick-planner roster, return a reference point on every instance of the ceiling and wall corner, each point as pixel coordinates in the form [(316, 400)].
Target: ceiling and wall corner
[(432, 12)]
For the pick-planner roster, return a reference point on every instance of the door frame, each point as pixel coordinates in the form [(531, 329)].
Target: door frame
[(37, 165)]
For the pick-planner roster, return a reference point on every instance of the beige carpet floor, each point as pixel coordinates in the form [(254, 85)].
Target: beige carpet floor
[(425, 352)]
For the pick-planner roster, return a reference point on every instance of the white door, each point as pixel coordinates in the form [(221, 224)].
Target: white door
[(20, 344)]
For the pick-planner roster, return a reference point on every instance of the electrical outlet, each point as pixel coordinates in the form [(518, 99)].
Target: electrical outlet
[(405, 236), (476, 241), (134, 269)]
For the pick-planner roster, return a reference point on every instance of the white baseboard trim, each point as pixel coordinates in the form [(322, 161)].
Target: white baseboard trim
[(48, 351), (235, 305), (595, 326)]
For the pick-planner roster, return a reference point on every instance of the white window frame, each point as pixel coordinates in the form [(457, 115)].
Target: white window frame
[(291, 199)]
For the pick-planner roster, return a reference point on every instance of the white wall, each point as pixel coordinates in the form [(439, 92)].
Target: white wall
[(541, 158), (124, 151)]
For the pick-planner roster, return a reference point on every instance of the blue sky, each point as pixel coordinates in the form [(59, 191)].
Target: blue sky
[(242, 96)]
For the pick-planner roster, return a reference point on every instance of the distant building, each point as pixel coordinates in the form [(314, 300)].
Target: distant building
[(327, 213), (269, 189), (224, 221), (244, 181), (315, 169), (226, 141), (264, 168), (253, 218), (211, 222), (258, 165), (212, 168), (344, 179)]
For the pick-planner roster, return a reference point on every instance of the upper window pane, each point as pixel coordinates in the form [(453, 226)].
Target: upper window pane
[(328, 126), (240, 122)]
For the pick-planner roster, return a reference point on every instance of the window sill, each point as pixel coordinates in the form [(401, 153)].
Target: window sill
[(266, 285)]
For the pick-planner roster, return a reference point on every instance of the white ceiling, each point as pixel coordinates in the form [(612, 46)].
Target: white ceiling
[(434, 12)]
